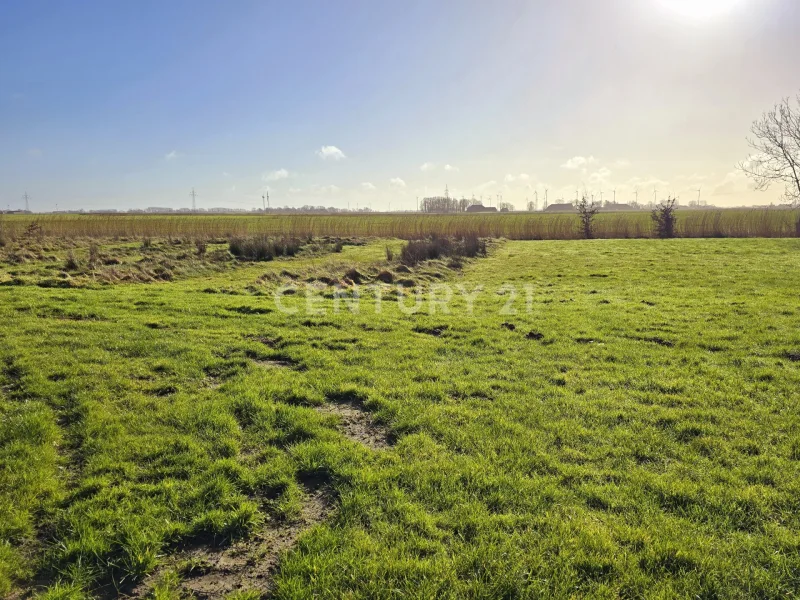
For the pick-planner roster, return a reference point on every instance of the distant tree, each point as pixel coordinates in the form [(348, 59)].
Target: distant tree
[(531, 206), (587, 210), (505, 206), (664, 217), (776, 141)]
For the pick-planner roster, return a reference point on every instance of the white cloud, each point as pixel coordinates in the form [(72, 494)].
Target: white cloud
[(428, 166), (331, 153), (579, 162), (368, 187), (600, 176), (735, 182), (486, 185), (171, 155), (451, 168), (521, 177), (275, 175), (324, 190), (621, 163), (397, 182)]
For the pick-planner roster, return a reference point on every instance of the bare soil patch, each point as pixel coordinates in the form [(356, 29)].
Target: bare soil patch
[(356, 422), (246, 565)]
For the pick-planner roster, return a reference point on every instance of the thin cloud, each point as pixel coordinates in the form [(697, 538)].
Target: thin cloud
[(171, 155), (275, 175), (428, 166), (331, 153), (451, 168), (521, 177), (368, 187), (397, 182), (600, 176), (578, 162), (324, 190)]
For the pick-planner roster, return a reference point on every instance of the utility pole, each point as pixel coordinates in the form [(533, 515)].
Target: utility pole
[(194, 201), (26, 198)]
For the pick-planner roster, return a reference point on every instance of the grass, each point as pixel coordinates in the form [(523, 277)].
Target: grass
[(628, 429), (755, 222)]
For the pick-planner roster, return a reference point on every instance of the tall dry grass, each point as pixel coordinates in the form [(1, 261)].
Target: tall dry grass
[(755, 222)]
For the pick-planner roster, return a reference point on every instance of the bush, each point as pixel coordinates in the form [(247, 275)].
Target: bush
[(417, 251), (587, 211), (664, 218), (71, 263), (147, 243), (262, 248), (94, 255), (201, 246), (389, 254)]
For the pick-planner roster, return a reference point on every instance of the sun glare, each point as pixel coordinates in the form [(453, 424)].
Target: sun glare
[(700, 9)]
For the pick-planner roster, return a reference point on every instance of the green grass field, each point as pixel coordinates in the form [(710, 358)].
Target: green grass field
[(604, 418)]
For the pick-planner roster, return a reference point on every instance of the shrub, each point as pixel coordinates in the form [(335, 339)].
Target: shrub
[(201, 245), (261, 248), (33, 230), (664, 218), (94, 254), (390, 254), (147, 243), (587, 211), (417, 251), (338, 246), (71, 263)]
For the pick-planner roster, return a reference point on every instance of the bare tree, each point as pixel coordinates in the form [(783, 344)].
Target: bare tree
[(776, 141)]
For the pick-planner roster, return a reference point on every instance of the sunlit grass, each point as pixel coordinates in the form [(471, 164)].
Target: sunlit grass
[(631, 430)]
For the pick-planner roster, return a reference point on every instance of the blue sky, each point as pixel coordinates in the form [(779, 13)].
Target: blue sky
[(129, 105)]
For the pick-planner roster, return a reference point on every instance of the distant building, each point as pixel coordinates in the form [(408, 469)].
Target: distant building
[(566, 207), (480, 208), (617, 207)]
